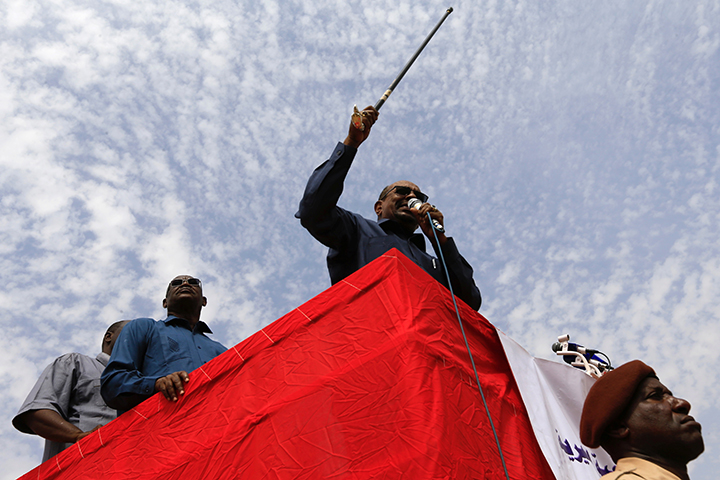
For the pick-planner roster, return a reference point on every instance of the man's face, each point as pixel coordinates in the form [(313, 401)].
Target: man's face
[(659, 425), (395, 206), (184, 295)]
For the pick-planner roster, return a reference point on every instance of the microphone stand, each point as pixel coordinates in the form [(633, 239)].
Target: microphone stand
[(467, 346)]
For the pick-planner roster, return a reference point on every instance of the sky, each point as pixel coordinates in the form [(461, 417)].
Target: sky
[(573, 148)]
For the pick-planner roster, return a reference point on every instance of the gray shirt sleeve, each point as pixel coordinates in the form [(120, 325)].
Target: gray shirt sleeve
[(69, 386)]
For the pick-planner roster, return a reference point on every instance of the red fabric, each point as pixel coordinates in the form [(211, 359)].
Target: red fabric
[(370, 379)]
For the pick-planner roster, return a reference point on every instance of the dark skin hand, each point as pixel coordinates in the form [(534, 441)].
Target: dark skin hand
[(172, 385), (426, 226), (356, 136)]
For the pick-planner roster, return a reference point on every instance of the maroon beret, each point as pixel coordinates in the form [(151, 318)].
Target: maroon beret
[(608, 399)]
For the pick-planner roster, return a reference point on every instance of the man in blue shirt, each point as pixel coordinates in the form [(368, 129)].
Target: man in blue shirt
[(154, 356), (355, 241)]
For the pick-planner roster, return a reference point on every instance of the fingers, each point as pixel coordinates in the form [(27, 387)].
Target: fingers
[(369, 116), (85, 434), (426, 208), (426, 226), (172, 385)]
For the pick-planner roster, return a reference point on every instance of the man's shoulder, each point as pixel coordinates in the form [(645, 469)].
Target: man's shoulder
[(69, 360), (142, 320), (634, 468), (138, 330), (141, 323), (72, 356), (621, 476)]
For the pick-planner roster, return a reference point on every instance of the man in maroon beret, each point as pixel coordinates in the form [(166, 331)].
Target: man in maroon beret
[(637, 420)]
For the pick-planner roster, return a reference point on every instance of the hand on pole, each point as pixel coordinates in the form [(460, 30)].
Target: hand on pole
[(358, 134)]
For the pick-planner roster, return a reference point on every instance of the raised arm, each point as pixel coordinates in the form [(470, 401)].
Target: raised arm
[(318, 211)]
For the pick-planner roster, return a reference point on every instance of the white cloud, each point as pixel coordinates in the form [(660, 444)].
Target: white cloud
[(572, 147)]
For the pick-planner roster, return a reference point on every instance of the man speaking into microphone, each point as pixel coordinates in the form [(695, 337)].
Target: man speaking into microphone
[(355, 241)]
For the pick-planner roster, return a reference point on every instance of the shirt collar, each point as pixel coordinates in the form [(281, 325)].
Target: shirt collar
[(391, 226), (641, 466), (103, 358), (200, 327)]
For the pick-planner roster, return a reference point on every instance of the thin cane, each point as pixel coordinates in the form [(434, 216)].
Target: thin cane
[(357, 119), (412, 60)]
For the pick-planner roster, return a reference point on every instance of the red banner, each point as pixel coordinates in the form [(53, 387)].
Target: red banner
[(370, 379)]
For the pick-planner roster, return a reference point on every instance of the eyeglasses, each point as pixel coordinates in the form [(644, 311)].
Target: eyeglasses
[(195, 282), (402, 190)]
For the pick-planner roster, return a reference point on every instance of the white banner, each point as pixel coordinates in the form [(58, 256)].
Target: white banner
[(553, 393)]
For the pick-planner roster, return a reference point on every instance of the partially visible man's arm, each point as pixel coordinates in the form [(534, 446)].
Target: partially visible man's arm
[(49, 404), (461, 275), (51, 426), (318, 211)]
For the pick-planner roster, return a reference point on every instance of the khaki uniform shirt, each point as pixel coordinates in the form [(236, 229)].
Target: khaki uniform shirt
[(633, 468)]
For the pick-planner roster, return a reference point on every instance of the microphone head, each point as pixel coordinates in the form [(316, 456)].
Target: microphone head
[(414, 203), (556, 347)]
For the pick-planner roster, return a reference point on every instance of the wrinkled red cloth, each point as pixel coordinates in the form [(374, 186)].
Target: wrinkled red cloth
[(369, 379)]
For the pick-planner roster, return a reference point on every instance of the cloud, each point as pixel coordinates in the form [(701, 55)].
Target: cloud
[(573, 149)]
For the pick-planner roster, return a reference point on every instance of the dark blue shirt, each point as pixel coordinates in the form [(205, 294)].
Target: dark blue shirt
[(355, 241), (147, 350)]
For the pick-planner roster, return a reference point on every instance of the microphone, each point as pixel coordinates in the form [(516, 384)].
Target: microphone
[(574, 347), (588, 353), (415, 204)]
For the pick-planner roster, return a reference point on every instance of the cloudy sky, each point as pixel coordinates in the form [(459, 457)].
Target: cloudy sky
[(573, 147)]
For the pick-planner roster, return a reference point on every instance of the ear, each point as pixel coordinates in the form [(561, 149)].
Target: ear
[(107, 338), (204, 301), (617, 431), (378, 207), (164, 302)]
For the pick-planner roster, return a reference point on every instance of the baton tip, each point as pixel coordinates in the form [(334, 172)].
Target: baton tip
[(450, 10)]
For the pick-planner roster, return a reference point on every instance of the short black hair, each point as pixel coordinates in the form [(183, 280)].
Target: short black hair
[(112, 328)]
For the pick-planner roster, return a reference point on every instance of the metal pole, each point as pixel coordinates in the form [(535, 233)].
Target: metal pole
[(409, 64)]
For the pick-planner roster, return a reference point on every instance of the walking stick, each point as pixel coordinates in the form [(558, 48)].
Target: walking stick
[(357, 117)]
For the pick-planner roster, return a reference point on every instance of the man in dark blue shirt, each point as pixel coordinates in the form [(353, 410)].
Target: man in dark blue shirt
[(355, 241), (151, 356)]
